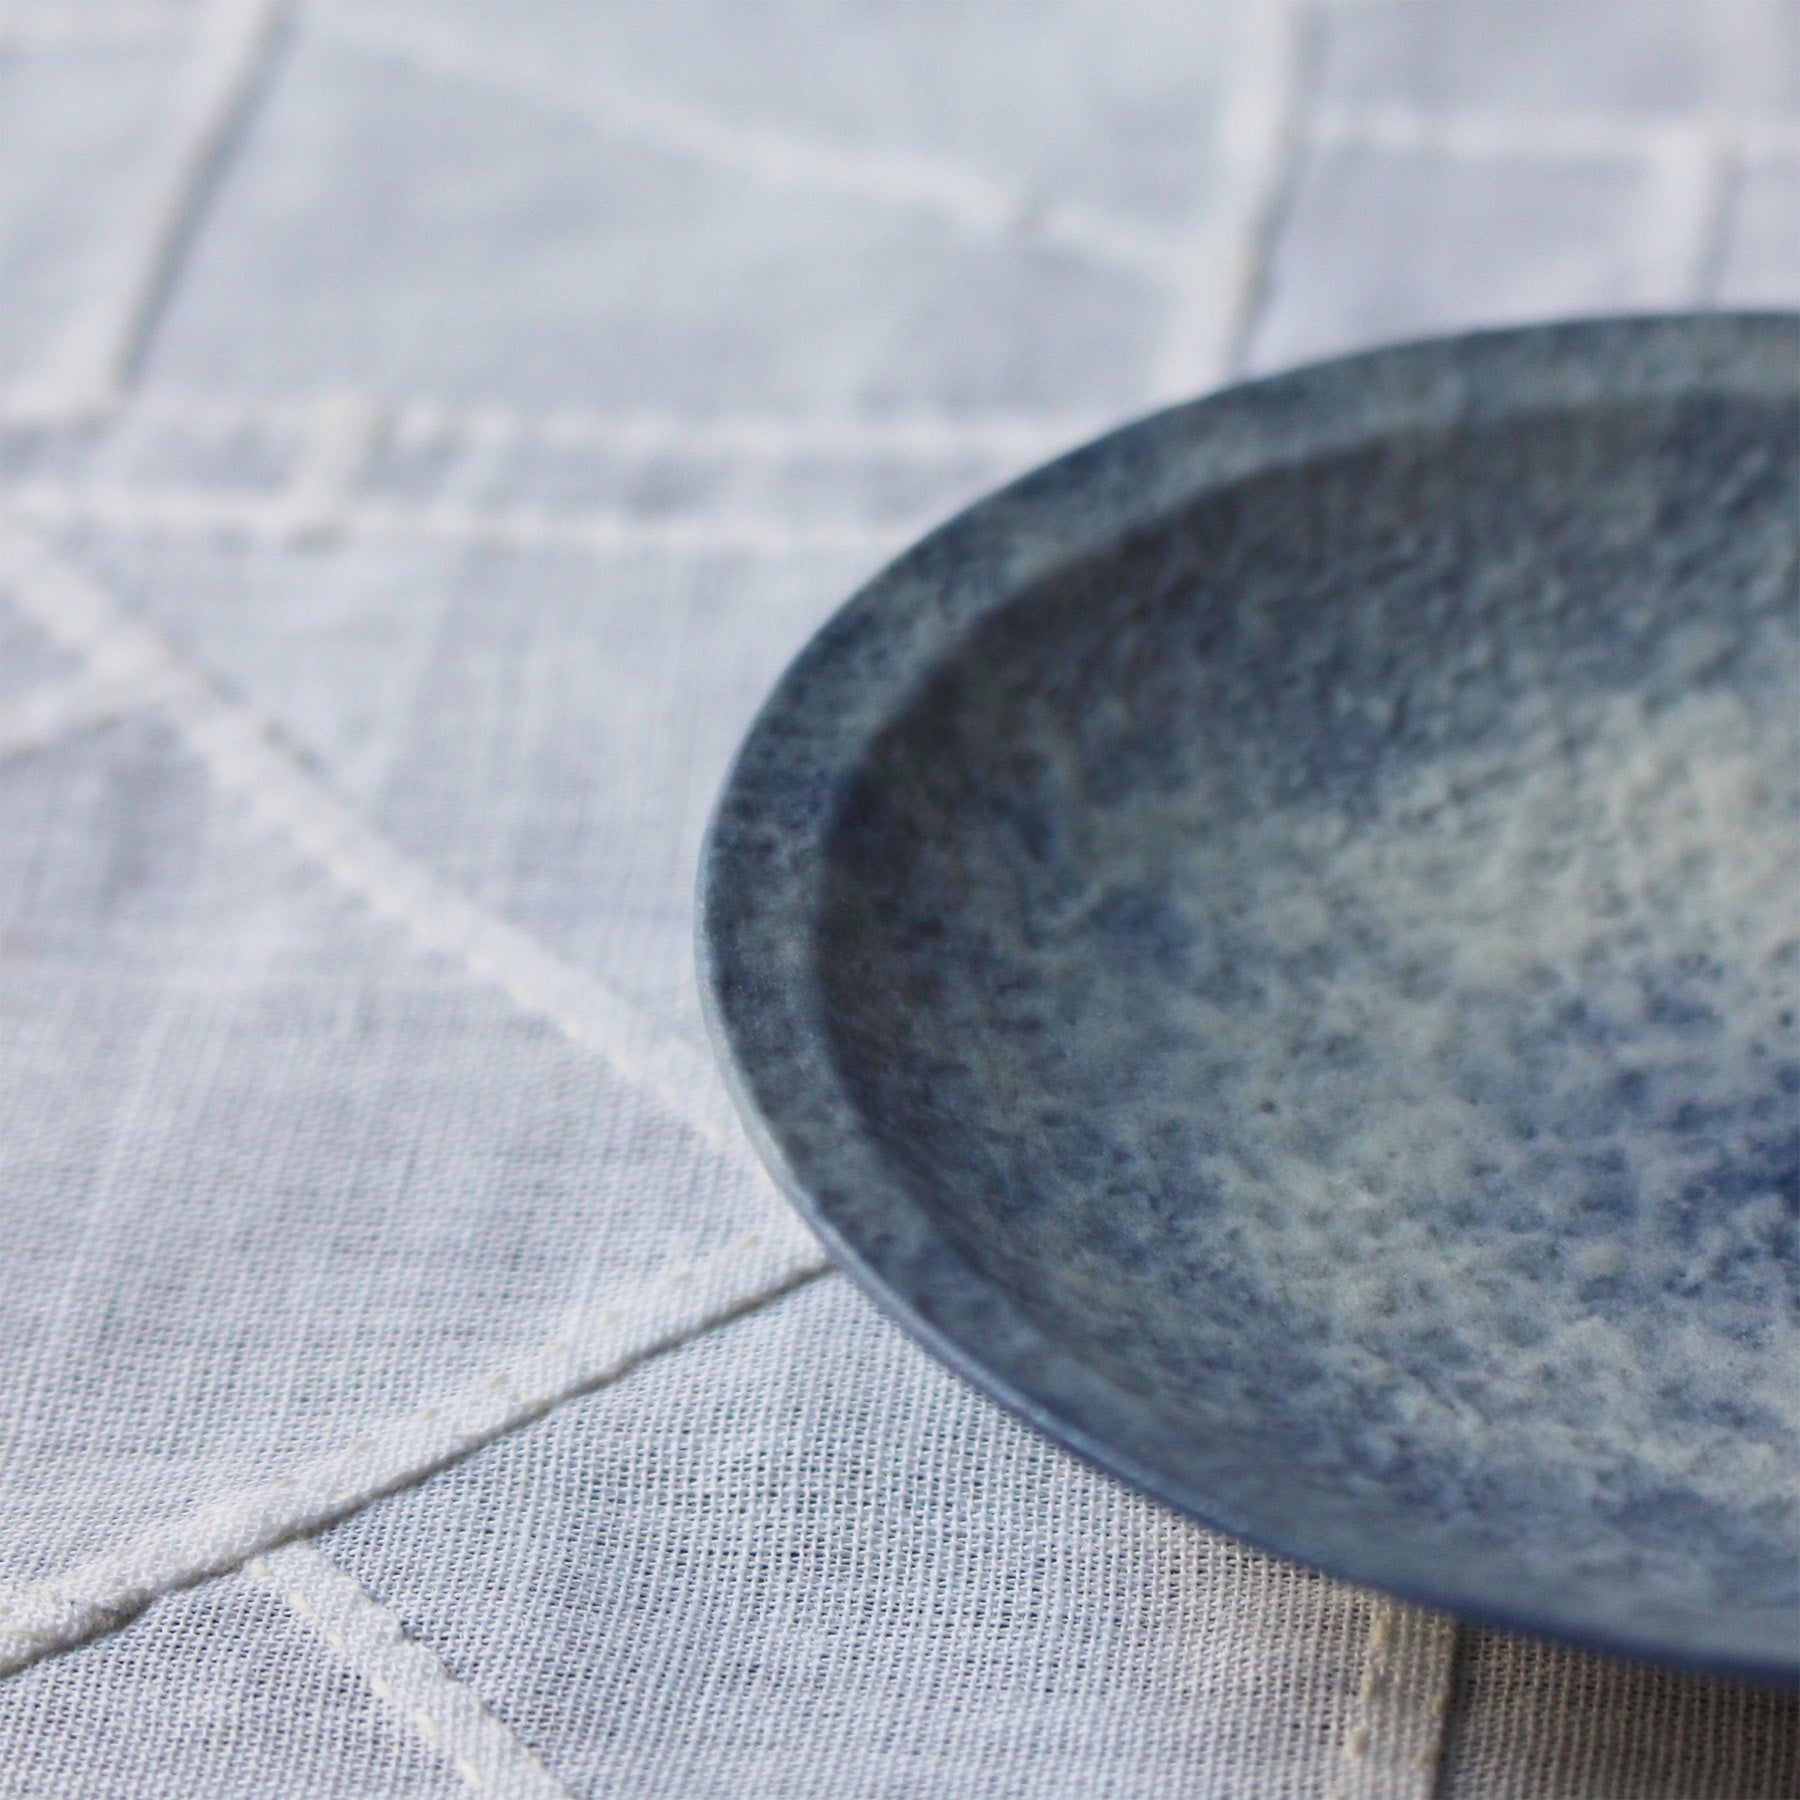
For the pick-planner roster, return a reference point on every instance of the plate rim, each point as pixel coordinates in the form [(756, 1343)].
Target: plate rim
[(765, 839)]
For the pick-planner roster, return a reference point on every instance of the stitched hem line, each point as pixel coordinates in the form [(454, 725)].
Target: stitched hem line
[(684, 1302), (410, 1683), (772, 158), (300, 515), (48, 714), (1395, 1738), (923, 436), (1222, 256), (246, 758), (96, 354)]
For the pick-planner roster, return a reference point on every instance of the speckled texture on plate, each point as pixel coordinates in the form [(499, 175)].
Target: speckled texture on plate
[(1272, 946)]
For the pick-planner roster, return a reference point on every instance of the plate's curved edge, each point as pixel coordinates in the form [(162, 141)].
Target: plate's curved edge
[(779, 801), (1472, 1609)]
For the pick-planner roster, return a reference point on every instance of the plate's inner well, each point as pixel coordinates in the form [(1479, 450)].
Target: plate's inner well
[(1334, 962)]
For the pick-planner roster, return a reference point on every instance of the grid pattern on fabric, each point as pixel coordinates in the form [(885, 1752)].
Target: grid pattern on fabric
[(544, 730), (75, 119), (219, 1693), (801, 1559), (295, 1176), (482, 410), (511, 291), (1538, 1722), (1394, 1741), (405, 1677)]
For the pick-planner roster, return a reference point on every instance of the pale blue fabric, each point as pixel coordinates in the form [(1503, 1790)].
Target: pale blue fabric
[(521, 386)]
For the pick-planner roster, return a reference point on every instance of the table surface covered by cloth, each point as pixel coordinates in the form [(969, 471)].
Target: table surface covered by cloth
[(426, 430)]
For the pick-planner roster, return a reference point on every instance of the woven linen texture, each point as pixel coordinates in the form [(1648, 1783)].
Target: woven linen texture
[(426, 430)]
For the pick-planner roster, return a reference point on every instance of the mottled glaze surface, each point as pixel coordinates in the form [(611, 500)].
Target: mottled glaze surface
[(1273, 945)]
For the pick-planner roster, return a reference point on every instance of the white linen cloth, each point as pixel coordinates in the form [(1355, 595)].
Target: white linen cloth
[(426, 429)]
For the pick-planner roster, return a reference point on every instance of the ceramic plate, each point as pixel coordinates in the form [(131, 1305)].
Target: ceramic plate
[(1271, 946)]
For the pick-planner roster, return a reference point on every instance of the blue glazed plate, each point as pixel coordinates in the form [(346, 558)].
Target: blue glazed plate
[(1271, 947)]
